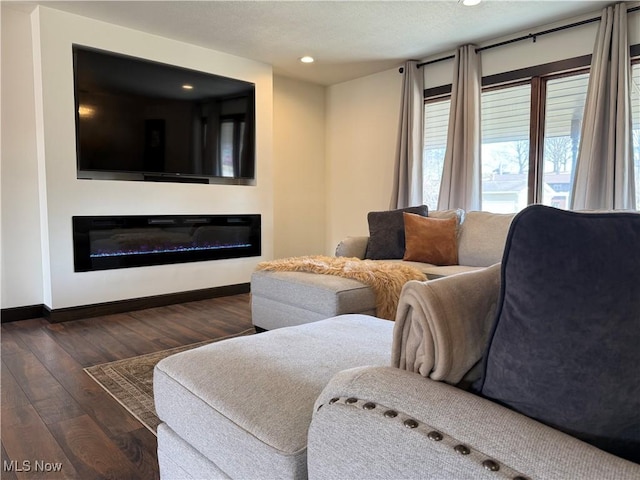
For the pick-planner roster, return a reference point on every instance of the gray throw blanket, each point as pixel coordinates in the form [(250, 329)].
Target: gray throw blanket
[(442, 325)]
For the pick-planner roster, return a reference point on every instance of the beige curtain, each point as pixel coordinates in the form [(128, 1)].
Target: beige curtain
[(460, 186), (407, 182), (604, 171)]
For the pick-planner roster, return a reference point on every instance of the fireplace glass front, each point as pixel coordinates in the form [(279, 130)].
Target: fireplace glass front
[(106, 242)]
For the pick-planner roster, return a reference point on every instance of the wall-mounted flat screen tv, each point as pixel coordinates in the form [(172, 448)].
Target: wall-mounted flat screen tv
[(142, 120)]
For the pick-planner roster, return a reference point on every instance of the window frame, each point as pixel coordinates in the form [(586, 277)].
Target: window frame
[(537, 130), (537, 77)]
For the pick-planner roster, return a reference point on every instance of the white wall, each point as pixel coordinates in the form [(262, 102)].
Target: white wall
[(362, 120), (64, 195), (21, 250), (361, 126), (298, 167)]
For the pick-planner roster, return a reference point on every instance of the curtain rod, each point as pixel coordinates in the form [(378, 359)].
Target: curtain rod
[(532, 36)]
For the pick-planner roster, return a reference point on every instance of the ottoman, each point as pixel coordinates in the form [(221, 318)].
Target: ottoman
[(284, 299), (241, 408)]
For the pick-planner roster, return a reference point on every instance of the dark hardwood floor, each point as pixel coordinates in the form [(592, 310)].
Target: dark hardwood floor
[(55, 414)]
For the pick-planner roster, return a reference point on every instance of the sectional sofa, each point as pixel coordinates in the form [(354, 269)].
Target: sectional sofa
[(547, 339), (282, 299)]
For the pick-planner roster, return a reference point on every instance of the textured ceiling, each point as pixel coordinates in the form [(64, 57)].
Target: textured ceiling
[(349, 39)]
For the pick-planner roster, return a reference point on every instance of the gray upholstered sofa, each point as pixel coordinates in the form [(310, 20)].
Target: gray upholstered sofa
[(356, 396), (283, 299)]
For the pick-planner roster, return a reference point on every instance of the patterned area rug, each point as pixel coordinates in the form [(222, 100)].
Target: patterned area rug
[(130, 381)]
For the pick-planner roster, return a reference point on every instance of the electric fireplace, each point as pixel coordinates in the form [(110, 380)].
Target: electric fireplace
[(107, 242)]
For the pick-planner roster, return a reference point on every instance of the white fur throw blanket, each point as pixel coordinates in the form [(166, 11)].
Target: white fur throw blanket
[(443, 325), (385, 279)]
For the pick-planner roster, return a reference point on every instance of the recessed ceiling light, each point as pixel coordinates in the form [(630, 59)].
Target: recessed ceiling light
[(307, 59), (470, 3), (186, 86)]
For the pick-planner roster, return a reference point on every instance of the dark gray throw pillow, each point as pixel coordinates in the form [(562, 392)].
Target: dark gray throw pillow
[(565, 347), (386, 232)]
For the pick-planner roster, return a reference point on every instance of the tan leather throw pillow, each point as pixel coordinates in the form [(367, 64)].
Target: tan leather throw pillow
[(430, 240)]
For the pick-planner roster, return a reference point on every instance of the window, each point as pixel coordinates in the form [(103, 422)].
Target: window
[(231, 134), (565, 100), (530, 134), (436, 121), (635, 114), (505, 114), (513, 121)]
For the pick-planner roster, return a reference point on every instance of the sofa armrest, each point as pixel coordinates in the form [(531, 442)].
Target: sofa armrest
[(352, 247), (382, 422), (442, 326)]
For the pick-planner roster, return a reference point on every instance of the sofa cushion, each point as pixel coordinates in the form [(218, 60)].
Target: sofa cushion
[(457, 213), (430, 240), (386, 232), (482, 238), (564, 347), (246, 403), (283, 299)]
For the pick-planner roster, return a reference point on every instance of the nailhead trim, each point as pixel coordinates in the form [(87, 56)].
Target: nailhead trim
[(434, 435), (491, 465), (462, 449), (410, 423)]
